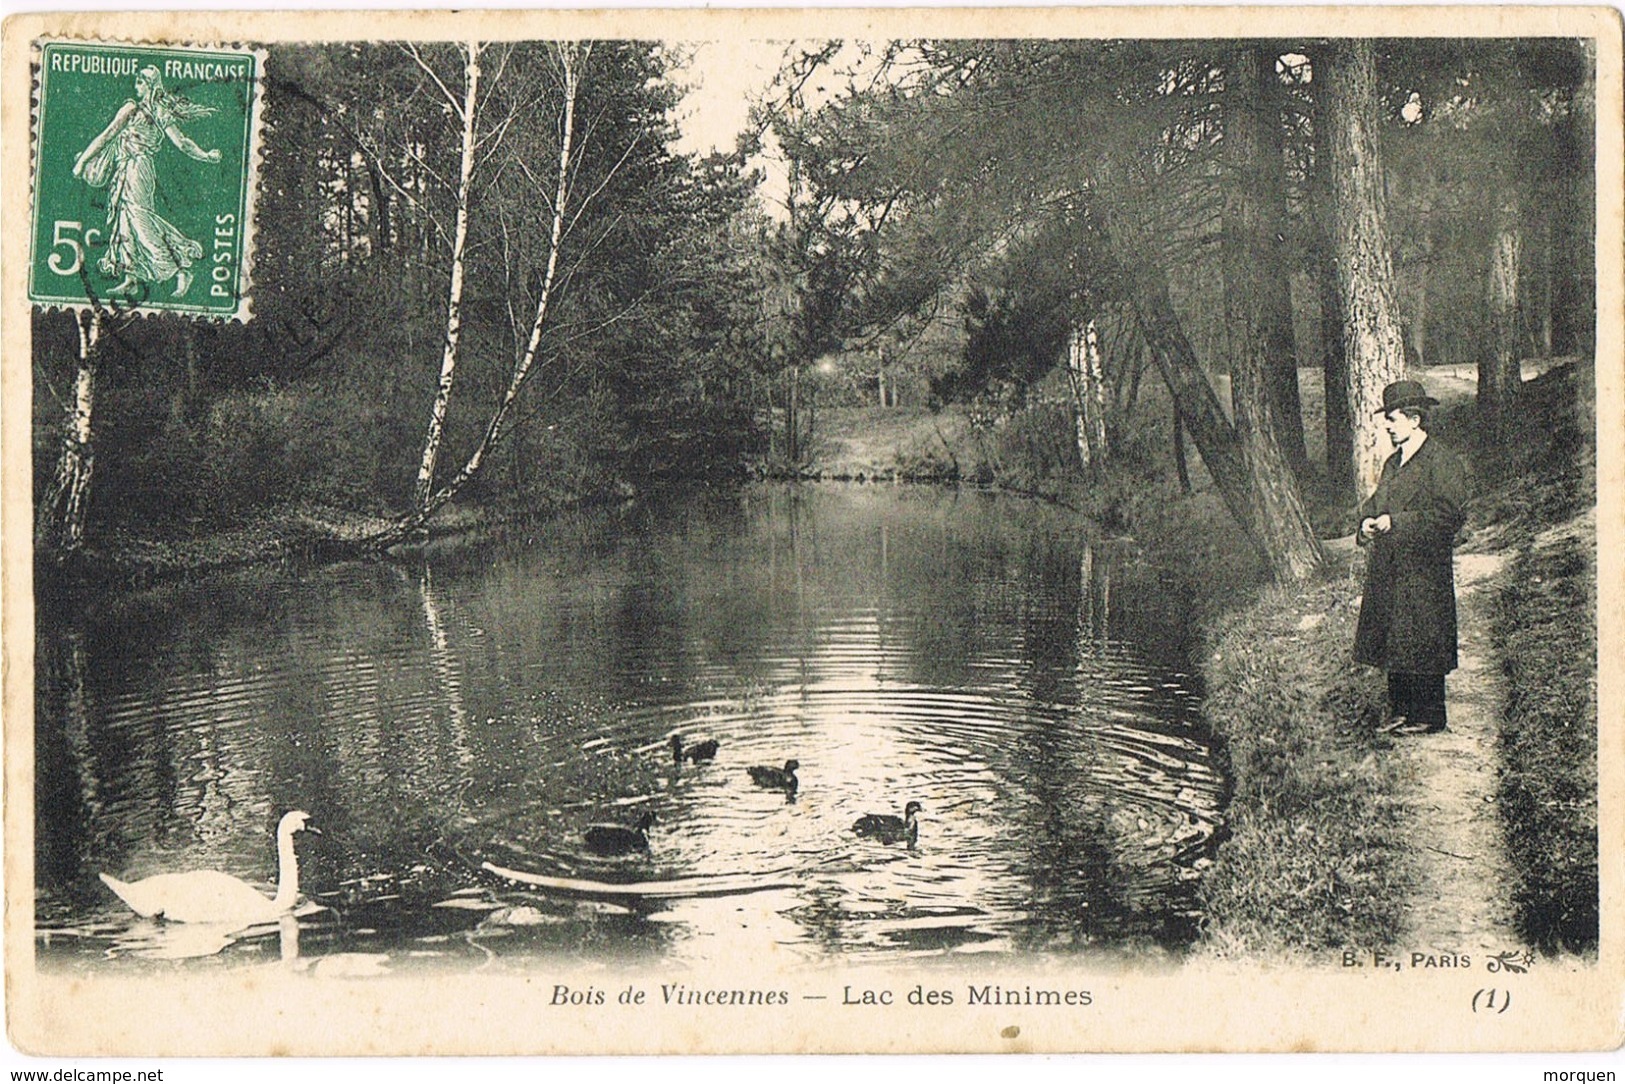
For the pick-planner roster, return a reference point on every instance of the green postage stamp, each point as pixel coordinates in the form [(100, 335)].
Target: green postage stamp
[(143, 177)]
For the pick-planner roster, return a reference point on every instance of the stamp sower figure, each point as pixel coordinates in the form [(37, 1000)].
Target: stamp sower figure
[(1408, 612), (142, 245)]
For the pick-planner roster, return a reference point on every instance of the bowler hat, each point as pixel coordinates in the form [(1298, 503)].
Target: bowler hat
[(1405, 393)]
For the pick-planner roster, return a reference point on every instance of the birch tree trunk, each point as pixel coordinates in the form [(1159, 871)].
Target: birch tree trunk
[(60, 526), (571, 63), (792, 416), (1362, 255), (1087, 381), (454, 293), (1096, 370), (1076, 378), (526, 364)]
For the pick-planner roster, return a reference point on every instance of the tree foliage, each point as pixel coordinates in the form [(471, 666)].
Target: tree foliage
[(643, 366), (965, 209), (986, 154)]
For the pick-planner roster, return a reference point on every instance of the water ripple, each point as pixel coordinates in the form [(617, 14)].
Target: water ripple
[(972, 656)]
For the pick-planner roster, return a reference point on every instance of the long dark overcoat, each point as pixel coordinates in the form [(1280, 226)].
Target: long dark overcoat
[(1408, 612)]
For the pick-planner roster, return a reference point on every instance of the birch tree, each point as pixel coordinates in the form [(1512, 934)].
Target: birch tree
[(61, 515), (1087, 380), (464, 107), (557, 196)]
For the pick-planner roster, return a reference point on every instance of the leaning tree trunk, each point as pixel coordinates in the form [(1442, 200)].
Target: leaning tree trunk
[(60, 526), (572, 59), (1254, 277), (1498, 370), (454, 293), (1181, 467), (1193, 396), (1372, 331), (1256, 502), (1195, 404)]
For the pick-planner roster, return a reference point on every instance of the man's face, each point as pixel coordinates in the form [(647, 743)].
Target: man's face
[(1402, 426)]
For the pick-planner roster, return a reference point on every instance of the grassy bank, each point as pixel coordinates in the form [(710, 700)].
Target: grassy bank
[(1317, 857), (1540, 511), (1545, 632), (1545, 628)]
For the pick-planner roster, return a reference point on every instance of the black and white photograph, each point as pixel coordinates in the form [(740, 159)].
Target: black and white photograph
[(812, 532)]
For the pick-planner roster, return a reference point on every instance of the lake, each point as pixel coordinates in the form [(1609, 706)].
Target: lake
[(481, 704)]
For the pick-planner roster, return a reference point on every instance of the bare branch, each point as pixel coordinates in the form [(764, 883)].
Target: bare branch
[(411, 49), (608, 176)]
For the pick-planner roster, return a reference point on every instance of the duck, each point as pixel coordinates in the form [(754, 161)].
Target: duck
[(696, 753), (776, 778), (208, 895), (618, 838), (890, 829)]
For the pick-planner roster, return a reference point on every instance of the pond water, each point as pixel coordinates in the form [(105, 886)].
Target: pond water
[(481, 705)]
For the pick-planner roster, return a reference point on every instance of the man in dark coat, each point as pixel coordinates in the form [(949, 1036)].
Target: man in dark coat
[(1408, 613)]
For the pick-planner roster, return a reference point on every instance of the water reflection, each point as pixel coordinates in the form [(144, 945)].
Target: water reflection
[(967, 652)]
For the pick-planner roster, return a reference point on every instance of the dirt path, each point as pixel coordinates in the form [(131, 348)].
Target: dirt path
[(1461, 903)]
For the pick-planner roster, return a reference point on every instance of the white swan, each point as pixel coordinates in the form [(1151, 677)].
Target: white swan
[(207, 895)]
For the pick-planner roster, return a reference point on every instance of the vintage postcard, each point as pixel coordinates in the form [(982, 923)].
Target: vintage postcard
[(816, 531)]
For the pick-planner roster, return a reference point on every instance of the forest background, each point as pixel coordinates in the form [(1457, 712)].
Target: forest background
[(486, 279)]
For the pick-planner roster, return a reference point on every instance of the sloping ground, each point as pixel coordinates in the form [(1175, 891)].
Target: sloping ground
[(1478, 839), (1544, 623), (1542, 619), (905, 443)]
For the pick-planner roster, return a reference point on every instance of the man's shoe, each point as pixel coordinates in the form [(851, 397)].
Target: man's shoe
[(1406, 726)]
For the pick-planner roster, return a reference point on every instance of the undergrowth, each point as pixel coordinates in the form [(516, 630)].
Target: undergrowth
[(1544, 625)]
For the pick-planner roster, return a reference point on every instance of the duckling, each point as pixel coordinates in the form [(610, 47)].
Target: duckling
[(776, 778), (698, 752), (208, 895), (617, 838), (890, 829)]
